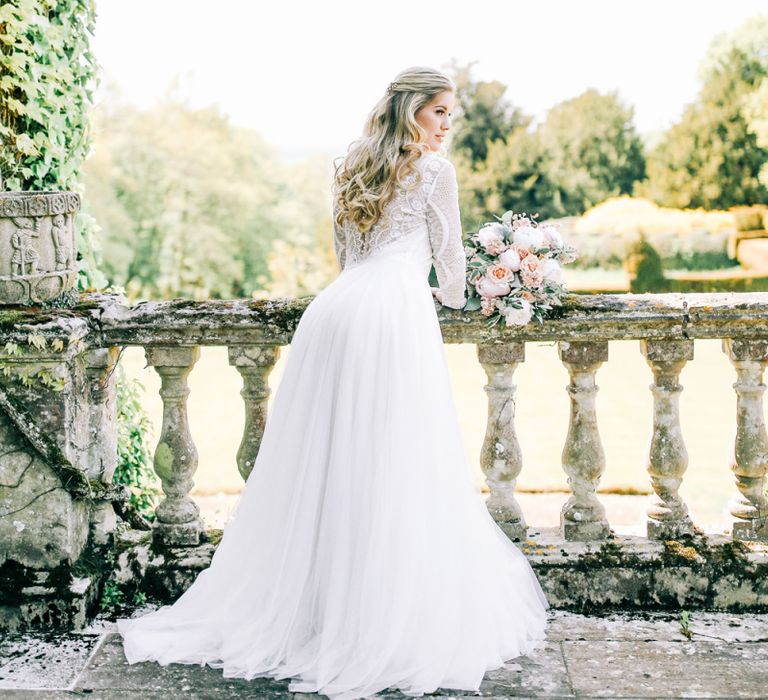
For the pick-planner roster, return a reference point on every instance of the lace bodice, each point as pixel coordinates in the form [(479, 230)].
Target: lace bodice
[(433, 205)]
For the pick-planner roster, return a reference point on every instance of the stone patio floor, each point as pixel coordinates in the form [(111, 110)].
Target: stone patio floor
[(618, 655)]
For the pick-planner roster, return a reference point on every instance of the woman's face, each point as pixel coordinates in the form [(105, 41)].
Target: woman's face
[(435, 118)]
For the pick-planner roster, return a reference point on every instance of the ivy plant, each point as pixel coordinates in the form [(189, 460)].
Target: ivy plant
[(47, 77)]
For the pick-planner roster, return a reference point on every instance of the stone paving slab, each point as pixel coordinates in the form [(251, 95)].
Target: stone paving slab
[(109, 670), (657, 626), (638, 656), (668, 669), (43, 660)]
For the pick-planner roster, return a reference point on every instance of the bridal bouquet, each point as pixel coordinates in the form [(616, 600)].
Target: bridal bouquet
[(514, 269)]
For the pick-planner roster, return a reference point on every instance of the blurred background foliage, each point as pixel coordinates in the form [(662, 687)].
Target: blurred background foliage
[(206, 211), (179, 202), (210, 210)]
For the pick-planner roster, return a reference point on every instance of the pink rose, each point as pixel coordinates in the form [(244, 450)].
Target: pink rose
[(487, 306), (495, 247), (532, 278)]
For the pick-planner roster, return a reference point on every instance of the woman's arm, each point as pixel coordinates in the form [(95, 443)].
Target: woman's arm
[(446, 239)]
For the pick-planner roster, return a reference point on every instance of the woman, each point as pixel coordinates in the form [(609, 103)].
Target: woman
[(359, 556)]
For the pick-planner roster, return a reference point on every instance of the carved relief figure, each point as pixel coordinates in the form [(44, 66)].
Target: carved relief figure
[(25, 256), (59, 236)]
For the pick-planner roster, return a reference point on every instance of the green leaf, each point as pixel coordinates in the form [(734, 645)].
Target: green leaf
[(473, 304), (37, 341)]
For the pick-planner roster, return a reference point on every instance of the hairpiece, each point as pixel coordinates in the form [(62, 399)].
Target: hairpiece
[(391, 87)]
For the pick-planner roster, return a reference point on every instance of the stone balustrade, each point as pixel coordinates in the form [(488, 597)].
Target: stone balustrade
[(58, 445), (664, 324)]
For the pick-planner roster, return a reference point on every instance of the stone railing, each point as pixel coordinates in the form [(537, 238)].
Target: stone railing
[(664, 325), (58, 431)]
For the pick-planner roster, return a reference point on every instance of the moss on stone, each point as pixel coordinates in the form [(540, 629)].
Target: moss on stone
[(608, 555), (282, 314), (214, 535)]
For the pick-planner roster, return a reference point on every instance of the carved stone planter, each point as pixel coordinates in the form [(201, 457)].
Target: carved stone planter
[(37, 245)]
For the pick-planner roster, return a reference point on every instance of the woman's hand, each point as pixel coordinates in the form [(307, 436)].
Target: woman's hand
[(437, 294)]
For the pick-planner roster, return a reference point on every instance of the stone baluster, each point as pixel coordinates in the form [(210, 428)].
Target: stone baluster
[(749, 456), (178, 516), (102, 432), (500, 457), (667, 458), (254, 363), (583, 516), (102, 412)]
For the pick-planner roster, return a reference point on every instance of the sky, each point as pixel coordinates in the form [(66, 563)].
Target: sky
[(306, 74)]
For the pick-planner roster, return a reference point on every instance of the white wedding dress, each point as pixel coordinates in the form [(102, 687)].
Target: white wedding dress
[(359, 555)]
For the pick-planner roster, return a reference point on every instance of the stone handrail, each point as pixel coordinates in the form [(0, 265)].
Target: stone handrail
[(582, 317)]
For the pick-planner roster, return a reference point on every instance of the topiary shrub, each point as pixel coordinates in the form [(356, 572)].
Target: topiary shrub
[(749, 218), (644, 268)]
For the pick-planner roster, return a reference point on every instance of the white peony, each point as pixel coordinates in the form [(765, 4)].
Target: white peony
[(491, 236), (528, 237), (511, 258), (552, 236), (551, 270), (518, 317), (487, 287)]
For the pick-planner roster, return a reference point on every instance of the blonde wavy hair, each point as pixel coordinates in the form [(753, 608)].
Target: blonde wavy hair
[(392, 141)]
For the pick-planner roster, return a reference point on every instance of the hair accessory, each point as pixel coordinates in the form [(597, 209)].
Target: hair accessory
[(391, 87)]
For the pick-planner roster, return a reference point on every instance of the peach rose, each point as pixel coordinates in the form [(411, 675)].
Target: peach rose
[(529, 263), (499, 273)]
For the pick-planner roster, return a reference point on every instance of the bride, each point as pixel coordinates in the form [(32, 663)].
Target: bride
[(359, 556)]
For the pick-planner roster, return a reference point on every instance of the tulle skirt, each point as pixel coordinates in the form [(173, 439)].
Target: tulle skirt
[(359, 555)]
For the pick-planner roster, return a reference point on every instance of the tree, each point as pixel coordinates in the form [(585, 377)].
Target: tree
[(592, 150), (513, 176), (713, 158), (193, 206), (756, 113), (587, 150), (486, 117)]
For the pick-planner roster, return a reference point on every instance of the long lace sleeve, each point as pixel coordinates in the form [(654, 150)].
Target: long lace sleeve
[(445, 237), (339, 242)]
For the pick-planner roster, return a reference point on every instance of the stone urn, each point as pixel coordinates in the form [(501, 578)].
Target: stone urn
[(37, 245)]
